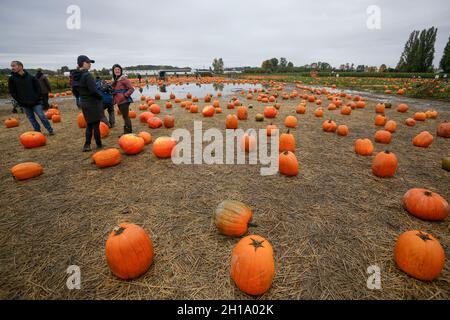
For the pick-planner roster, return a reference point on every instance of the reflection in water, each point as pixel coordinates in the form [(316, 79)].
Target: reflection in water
[(196, 89)]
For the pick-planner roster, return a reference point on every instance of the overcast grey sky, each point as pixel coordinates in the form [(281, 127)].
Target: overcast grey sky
[(193, 32)]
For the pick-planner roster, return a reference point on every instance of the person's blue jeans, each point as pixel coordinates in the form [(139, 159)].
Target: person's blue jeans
[(40, 112)]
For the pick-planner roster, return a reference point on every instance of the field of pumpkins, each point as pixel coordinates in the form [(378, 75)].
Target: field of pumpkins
[(362, 183)]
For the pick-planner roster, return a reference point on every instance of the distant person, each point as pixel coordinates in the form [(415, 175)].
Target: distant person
[(123, 89), (26, 91), (139, 77), (45, 88), (90, 101), (106, 91)]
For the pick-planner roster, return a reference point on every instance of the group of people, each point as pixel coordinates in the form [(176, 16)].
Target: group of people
[(93, 97)]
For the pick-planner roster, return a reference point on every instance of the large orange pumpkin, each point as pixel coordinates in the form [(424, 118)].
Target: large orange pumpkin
[(270, 112), (420, 255), (163, 147), (27, 170), (425, 204), (288, 163), (208, 111), (104, 129), (81, 121), (384, 164), (383, 136), (403, 107), (423, 139), (242, 113), (11, 122), (169, 121), (32, 139), (329, 126), (129, 251), (290, 122), (253, 265), (342, 130), (154, 122), (363, 147), (390, 126), (107, 158), (231, 121), (131, 143), (287, 142), (232, 218)]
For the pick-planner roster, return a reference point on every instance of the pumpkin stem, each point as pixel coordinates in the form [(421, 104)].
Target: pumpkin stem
[(118, 230), (257, 244), (423, 236), (252, 225), (428, 193)]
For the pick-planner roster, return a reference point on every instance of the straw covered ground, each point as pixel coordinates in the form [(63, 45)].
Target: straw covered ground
[(327, 225)]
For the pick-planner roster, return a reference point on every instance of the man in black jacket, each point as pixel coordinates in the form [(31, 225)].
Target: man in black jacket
[(25, 89)]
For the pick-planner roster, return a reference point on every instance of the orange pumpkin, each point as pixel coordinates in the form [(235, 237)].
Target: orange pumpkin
[(107, 158), (287, 142), (129, 251), (155, 109), (163, 147), (423, 139), (420, 116), (131, 143), (363, 147), (288, 163), (104, 130), (346, 111), (426, 205), (410, 122), (144, 116), (384, 164), (380, 120), (146, 136), (403, 107), (81, 121), (301, 109), (342, 130), (232, 218), (390, 126), (443, 130), (253, 265), (27, 170), (290, 122), (231, 121), (242, 113), (419, 255), (383, 136), (270, 112), (169, 121), (208, 111), (32, 139), (379, 108), (154, 122), (318, 112), (329, 126), (11, 122)]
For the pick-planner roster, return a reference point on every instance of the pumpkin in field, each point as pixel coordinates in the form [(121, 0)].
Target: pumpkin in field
[(81, 121), (403, 107), (346, 111), (248, 143), (288, 163), (231, 121), (379, 108), (32, 139), (194, 108), (426, 205), (423, 139), (242, 113), (169, 105), (154, 122), (420, 116), (318, 112), (290, 122), (129, 251), (301, 109), (390, 126), (132, 114), (270, 112), (146, 136), (232, 218), (208, 111), (287, 142), (329, 126), (163, 147), (410, 122), (432, 114), (363, 147), (253, 265), (155, 109), (384, 164), (169, 121), (360, 104), (270, 129), (56, 118), (131, 143), (383, 136), (446, 163), (380, 120), (332, 106), (419, 255), (443, 130), (104, 129), (144, 116), (342, 130), (106, 158), (11, 122), (26, 170)]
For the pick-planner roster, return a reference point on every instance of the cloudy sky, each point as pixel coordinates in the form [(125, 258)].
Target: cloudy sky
[(193, 32)]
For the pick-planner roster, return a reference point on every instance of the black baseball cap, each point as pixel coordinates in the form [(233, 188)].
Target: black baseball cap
[(82, 59)]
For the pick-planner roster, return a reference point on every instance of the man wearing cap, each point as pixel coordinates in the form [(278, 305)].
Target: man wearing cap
[(90, 100), (25, 89)]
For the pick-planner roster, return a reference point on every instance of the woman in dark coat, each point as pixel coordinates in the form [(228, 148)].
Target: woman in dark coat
[(123, 89), (90, 101)]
